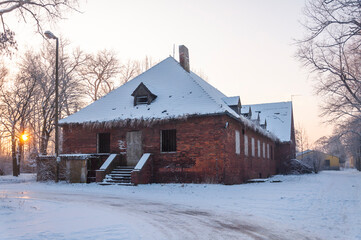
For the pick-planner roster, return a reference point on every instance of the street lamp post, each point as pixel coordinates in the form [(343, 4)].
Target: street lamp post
[(50, 35)]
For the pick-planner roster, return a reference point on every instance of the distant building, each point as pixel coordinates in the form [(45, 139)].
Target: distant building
[(325, 161)]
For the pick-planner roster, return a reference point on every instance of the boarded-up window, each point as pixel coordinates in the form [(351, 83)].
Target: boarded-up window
[(253, 148), (103, 142), (169, 140), (267, 150), (264, 150), (237, 140), (259, 148), (246, 145)]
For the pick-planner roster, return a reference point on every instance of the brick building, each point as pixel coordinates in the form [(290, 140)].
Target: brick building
[(169, 125), (277, 118)]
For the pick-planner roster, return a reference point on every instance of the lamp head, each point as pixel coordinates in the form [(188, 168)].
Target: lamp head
[(50, 35)]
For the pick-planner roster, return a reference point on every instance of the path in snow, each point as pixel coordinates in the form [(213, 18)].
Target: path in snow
[(322, 206)]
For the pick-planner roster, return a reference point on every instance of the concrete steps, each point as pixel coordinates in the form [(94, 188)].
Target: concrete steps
[(121, 175)]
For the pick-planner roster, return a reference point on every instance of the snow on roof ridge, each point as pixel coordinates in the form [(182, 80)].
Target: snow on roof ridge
[(144, 72), (189, 74)]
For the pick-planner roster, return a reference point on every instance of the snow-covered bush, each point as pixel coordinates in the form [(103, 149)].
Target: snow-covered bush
[(45, 168), (295, 166)]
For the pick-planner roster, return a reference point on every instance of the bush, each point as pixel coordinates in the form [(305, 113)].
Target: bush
[(295, 166), (5, 165)]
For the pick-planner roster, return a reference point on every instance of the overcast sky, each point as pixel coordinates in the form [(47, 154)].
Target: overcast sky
[(244, 47)]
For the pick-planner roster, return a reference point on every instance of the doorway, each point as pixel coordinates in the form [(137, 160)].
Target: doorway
[(103, 142), (134, 147)]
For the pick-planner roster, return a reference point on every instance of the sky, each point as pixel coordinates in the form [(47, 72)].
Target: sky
[(245, 48)]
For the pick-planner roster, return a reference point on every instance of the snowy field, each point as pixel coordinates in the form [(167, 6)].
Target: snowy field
[(322, 206)]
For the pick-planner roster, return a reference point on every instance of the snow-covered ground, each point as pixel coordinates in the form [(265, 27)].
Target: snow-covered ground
[(322, 206)]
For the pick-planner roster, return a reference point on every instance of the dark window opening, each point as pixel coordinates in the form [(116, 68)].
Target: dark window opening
[(142, 100), (327, 163), (271, 153), (169, 140), (242, 131), (103, 142)]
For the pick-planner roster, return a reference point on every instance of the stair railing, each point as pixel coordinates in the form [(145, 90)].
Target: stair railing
[(142, 173), (106, 168)]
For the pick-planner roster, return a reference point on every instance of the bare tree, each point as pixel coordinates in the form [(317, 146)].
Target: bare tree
[(36, 11), (16, 107), (301, 138), (70, 97), (349, 133), (129, 70), (133, 68), (331, 49), (3, 73), (99, 73)]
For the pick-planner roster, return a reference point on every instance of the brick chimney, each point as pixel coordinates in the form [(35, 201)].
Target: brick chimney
[(184, 57)]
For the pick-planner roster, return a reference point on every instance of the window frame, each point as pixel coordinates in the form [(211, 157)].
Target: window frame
[(253, 152), (246, 148), (237, 138), (172, 150), (264, 150)]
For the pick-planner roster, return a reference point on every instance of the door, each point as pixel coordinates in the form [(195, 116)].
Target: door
[(103, 142), (134, 147)]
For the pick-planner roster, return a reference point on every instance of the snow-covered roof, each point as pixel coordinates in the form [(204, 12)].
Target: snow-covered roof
[(304, 152), (179, 94), (231, 101), (277, 115)]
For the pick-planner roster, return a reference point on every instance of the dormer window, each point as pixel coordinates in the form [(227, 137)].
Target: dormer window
[(234, 103), (142, 95), (141, 100)]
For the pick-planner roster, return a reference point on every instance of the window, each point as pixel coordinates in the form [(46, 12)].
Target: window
[(264, 150), (259, 148), (267, 150), (169, 140), (142, 95), (141, 100), (103, 142), (237, 140), (253, 148), (327, 163), (246, 145), (271, 153)]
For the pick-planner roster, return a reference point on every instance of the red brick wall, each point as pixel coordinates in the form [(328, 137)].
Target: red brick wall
[(205, 149), (240, 167)]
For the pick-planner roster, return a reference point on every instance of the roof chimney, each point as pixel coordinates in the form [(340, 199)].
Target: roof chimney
[(184, 57)]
